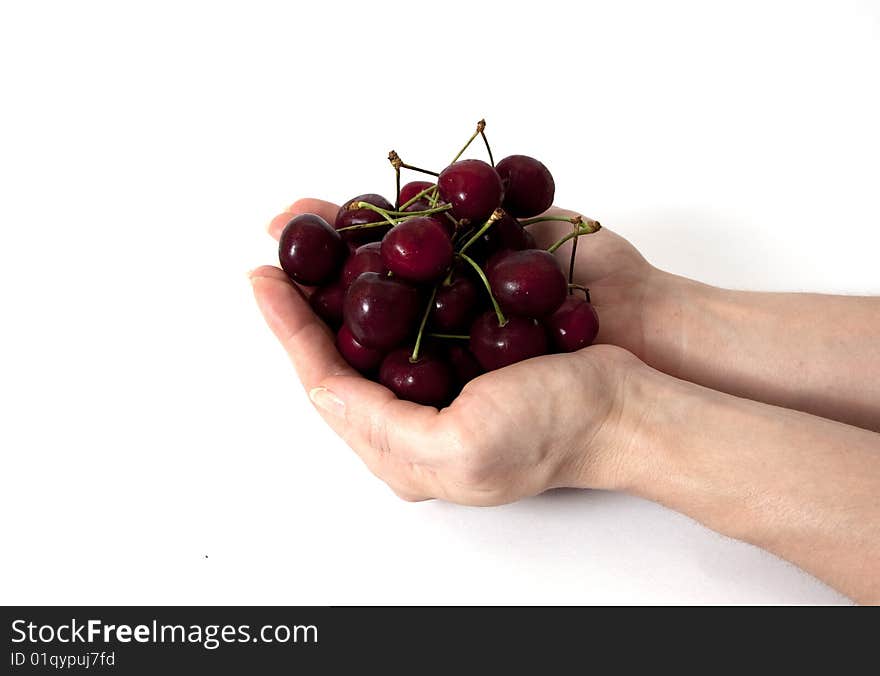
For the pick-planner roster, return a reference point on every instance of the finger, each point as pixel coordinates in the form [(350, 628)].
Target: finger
[(307, 340), (308, 205)]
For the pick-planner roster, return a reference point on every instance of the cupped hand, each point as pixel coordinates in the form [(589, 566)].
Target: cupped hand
[(548, 422), (625, 289)]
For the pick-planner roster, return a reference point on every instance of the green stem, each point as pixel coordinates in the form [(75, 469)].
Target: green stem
[(372, 207), (496, 215), (415, 353), (574, 248), (392, 217), (544, 219), (585, 228), (415, 198), (450, 336), (480, 125), (397, 182), (502, 320)]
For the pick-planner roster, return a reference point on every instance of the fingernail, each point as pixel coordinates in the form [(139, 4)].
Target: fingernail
[(327, 401)]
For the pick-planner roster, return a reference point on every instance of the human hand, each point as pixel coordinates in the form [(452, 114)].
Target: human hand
[(634, 299), (549, 422)]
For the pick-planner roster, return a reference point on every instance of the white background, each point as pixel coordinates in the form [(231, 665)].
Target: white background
[(149, 420)]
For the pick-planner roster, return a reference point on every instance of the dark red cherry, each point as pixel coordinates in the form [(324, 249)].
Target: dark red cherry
[(411, 189), (497, 346), (366, 258), (505, 233), (364, 359), (528, 185), (465, 366), (528, 283), (573, 326), (418, 250), (454, 305), (426, 381), (380, 311), (473, 188), (311, 251), (346, 217), (326, 302)]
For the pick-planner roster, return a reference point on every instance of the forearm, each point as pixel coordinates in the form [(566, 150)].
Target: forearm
[(814, 353), (802, 487)]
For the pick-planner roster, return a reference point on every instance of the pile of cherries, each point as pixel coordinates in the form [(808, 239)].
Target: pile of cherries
[(446, 283)]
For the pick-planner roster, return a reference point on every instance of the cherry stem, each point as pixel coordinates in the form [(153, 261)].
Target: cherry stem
[(398, 164), (488, 149), (502, 320), (584, 227), (415, 198), (545, 219), (481, 125), (450, 336), (391, 217), (579, 287), (415, 353), (397, 182), (496, 215), (574, 248)]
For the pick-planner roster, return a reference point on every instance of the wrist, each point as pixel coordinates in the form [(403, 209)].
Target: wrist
[(616, 454), (670, 315)]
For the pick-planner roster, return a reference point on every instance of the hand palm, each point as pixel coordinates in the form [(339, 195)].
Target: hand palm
[(502, 438)]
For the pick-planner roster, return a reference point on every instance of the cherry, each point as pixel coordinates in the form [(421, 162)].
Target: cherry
[(473, 188), (428, 380), (465, 366), (364, 359), (455, 305), (574, 325), (311, 251), (366, 258), (346, 217), (505, 233), (410, 190), (380, 311), (529, 187), (417, 250), (497, 346), (528, 283), (326, 302)]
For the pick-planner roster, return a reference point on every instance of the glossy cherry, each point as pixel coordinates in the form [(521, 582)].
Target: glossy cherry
[(411, 189), (529, 187), (573, 326), (417, 250), (529, 283), (310, 250), (327, 301), (427, 381), (497, 346), (455, 305), (380, 311), (366, 258), (346, 217), (473, 188), (364, 359)]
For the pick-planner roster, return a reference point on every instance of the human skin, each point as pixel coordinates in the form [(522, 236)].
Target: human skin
[(795, 484)]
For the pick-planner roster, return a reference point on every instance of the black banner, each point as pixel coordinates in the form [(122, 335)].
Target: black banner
[(276, 640)]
